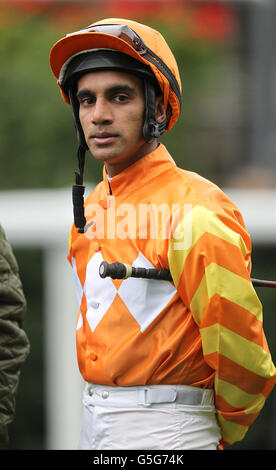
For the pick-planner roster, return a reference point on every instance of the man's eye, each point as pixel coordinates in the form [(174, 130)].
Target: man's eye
[(121, 98), (86, 101)]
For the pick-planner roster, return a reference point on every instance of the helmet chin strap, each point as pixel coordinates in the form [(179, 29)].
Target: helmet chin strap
[(151, 128), (78, 188), (78, 193)]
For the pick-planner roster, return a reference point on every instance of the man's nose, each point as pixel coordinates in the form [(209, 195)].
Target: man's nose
[(101, 112)]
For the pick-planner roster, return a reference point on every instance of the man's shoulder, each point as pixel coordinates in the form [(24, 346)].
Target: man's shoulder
[(190, 183), (190, 187)]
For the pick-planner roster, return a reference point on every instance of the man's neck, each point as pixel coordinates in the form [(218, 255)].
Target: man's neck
[(113, 168)]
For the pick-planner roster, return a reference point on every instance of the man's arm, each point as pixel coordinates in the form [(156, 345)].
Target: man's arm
[(212, 275)]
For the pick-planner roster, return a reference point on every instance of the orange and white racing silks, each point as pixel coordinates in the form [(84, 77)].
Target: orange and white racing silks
[(204, 329)]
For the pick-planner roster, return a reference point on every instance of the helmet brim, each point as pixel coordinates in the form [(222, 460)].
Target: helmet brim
[(65, 48)]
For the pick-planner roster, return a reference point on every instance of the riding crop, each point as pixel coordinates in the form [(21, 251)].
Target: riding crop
[(123, 271)]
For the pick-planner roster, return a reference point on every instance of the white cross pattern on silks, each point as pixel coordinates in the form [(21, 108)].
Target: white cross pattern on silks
[(144, 298)]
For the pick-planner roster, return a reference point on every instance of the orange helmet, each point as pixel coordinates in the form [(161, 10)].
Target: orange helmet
[(134, 39), (119, 44)]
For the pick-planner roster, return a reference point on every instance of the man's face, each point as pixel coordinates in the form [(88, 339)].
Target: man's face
[(111, 115)]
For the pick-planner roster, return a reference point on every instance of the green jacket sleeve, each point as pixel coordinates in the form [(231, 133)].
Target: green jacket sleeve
[(14, 343)]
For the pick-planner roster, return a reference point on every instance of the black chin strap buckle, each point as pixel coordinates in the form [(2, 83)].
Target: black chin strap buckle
[(154, 126)]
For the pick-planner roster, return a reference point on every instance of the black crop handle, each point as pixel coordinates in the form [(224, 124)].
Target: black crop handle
[(123, 271)]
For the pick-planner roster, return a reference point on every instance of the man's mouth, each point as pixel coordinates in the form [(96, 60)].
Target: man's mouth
[(103, 138)]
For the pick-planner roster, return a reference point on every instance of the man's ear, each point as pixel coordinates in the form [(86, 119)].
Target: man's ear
[(160, 112)]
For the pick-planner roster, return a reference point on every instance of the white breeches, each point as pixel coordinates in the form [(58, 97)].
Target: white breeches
[(156, 417)]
